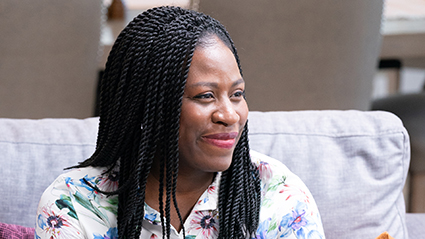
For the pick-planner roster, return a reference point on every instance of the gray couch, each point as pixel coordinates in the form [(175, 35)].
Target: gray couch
[(355, 164)]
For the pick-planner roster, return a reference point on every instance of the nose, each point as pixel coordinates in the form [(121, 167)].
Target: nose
[(226, 113)]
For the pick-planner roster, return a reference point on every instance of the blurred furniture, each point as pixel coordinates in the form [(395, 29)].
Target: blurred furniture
[(113, 27), (403, 31), (404, 42), (48, 57), (355, 164), (411, 109), (301, 54)]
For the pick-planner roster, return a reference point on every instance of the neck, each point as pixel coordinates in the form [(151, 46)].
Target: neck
[(189, 188), (187, 183)]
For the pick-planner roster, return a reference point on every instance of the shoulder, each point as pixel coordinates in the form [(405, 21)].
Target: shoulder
[(275, 175), (277, 180), (270, 168), (78, 174), (72, 201), (287, 207), (67, 183), (86, 178)]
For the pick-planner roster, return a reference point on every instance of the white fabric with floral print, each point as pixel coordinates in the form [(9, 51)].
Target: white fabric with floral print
[(69, 208)]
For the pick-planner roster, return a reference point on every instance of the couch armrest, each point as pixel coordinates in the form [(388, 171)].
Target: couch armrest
[(415, 225)]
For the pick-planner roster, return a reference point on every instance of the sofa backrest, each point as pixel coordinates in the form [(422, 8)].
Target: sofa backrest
[(32, 154), (355, 163)]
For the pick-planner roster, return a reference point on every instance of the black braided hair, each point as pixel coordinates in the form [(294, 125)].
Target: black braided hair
[(140, 104)]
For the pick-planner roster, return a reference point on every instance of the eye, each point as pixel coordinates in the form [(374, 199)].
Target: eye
[(239, 94), (204, 96)]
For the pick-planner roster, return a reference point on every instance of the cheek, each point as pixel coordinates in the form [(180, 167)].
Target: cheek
[(192, 121), (243, 113)]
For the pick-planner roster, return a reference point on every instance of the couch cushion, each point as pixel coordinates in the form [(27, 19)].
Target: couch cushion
[(355, 164), (33, 154)]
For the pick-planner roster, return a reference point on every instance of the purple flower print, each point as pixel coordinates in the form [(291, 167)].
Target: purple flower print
[(204, 224), (295, 219), (265, 171)]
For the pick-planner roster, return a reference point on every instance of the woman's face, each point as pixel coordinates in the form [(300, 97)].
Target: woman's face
[(214, 111)]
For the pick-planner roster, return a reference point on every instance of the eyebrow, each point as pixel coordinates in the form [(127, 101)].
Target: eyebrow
[(215, 85)]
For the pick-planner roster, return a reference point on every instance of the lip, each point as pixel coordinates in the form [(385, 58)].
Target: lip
[(221, 140)]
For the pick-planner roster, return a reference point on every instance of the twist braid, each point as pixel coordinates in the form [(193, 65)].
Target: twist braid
[(140, 105)]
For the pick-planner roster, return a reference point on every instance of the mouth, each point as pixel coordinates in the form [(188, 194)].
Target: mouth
[(221, 140)]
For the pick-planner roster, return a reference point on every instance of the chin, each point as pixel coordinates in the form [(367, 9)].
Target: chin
[(223, 165), (222, 169)]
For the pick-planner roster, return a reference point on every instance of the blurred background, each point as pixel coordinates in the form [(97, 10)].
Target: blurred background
[(295, 55)]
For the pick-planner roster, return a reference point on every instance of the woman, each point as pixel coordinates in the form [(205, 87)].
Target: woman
[(172, 158)]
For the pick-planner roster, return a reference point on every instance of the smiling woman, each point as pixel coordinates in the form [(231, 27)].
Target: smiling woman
[(214, 111), (172, 158)]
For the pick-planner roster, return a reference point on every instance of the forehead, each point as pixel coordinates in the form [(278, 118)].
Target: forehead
[(210, 38), (214, 62)]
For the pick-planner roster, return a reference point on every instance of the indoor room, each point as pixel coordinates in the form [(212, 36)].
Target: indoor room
[(332, 92)]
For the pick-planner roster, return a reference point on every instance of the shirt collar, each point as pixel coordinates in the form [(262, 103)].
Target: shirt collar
[(207, 201)]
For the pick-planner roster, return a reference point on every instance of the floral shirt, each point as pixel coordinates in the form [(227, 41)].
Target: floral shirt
[(69, 208)]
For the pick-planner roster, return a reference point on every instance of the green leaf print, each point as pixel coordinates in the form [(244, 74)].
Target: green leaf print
[(273, 225), (65, 202), (87, 203), (114, 210), (275, 184), (267, 203), (113, 201), (189, 237)]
